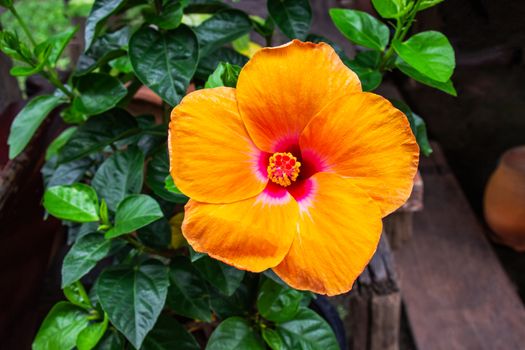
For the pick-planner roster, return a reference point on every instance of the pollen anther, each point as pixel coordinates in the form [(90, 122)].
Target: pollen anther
[(283, 168)]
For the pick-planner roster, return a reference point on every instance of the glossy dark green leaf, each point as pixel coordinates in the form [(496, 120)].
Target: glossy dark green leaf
[(447, 86), (157, 234), (208, 64), (165, 61), (89, 337), (361, 28), (224, 277), (240, 303), (120, 175), (104, 49), (133, 297), (293, 17), (171, 15), (272, 339), (83, 256), (389, 8), (100, 11), (204, 6), (417, 124), (98, 132), (194, 256), (278, 303), (112, 340), (97, 93), (307, 330), (225, 75), (224, 27), (168, 334), (188, 294), (158, 170), (54, 148), (61, 327), (370, 78), (77, 202), (430, 53), (28, 120), (368, 59), (134, 212), (235, 333), (70, 172)]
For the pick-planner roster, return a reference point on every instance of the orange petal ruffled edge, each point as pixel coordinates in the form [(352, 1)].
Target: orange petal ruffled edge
[(282, 88), (212, 158)]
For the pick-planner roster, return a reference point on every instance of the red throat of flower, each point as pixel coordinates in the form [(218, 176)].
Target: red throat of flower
[(283, 168)]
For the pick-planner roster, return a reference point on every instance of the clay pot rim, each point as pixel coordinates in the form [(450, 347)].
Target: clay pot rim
[(514, 159)]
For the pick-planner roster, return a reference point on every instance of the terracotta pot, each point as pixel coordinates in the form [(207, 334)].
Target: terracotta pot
[(504, 202)]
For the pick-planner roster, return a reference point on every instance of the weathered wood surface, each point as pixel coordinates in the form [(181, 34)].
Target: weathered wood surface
[(456, 293)]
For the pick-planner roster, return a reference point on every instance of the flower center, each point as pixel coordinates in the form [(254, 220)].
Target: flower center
[(283, 168)]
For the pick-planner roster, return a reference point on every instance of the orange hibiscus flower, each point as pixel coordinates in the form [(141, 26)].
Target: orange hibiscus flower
[(292, 170)]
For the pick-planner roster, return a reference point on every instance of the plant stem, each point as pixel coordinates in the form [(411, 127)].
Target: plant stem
[(22, 24)]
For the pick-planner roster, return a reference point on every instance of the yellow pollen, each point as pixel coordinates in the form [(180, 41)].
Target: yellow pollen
[(283, 168)]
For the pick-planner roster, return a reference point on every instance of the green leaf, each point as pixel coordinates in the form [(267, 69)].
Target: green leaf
[(188, 294), (83, 256), (77, 202), (204, 6), (424, 4), (157, 172), (165, 61), (168, 334), (235, 333), (417, 124), (112, 340), (361, 28), (100, 11), (224, 277), (169, 184), (89, 337), (133, 297), (97, 93), (120, 175), (293, 17), (307, 330), (208, 64), (370, 78), (272, 338), (59, 42), (98, 132), (278, 303), (134, 212), (389, 8), (54, 148), (194, 256), (28, 120), (430, 53), (170, 16), (447, 86), (224, 27), (225, 75), (73, 294), (61, 327), (69, 173), (157, 234), (264, 27)]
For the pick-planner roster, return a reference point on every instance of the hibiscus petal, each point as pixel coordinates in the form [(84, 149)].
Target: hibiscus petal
[(212, 158), (339, 229), (364, 137), (253, 234), (280, 89)]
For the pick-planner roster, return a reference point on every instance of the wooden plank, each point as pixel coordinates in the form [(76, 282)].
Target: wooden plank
[(456, 293)]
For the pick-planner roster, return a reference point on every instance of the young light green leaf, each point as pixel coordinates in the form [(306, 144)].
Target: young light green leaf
[(83, 256), (361, 28), (208, 64), (235, 333), (77, 202), (188, 294), (73, 293), (59, 42), (120, 175), (28, 120), (54, 148), (61, 327), (307, 330), (225, 75), (98, 132), (293, 17), (133, 297), (100, 11), (89, 337), (430, 53), (169, 184), (424, 4), (70, 172), (165, 61), (272, 339), (134, 212), (168, 334), (389, 8), (278, 303), (447, 86), (97, 93), (222, 28), (224, 277)]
